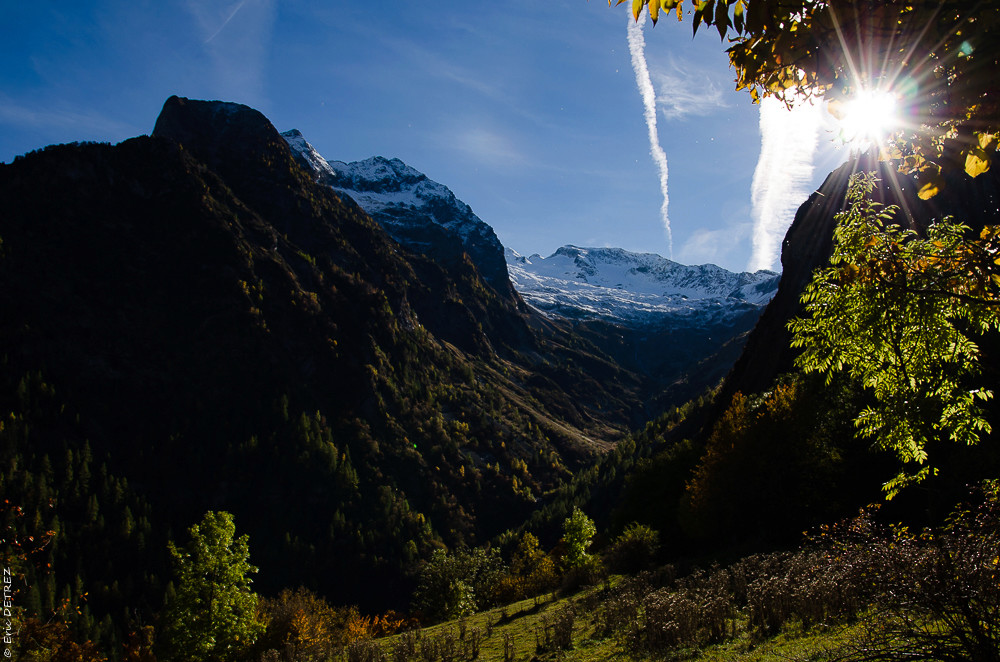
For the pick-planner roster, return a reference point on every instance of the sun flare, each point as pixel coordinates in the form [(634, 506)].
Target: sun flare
[(868, 118)]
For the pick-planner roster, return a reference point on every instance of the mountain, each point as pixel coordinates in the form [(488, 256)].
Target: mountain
[(808, 244), (219, 331), (776, 452), (677, 328), (419, 213), (636, 288), (680, 326)]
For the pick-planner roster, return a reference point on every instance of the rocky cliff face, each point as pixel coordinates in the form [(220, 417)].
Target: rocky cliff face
[(680, 328)]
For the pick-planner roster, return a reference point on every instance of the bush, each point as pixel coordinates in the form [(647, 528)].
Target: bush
[(633, 550), (929, 596), (303, 626), (365, 651), (556, 632), (934, 595), (458, 584), (589, 573), (53, 642)]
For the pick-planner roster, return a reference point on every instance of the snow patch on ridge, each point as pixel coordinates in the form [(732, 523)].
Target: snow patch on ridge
[(388, 188), (618, 285)]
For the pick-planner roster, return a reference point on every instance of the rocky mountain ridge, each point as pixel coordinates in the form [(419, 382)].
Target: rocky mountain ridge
[(678, 327), (227, 334), (636, 288), (421, 214)]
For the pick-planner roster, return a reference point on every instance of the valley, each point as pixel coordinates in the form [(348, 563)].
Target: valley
[(213, 330)]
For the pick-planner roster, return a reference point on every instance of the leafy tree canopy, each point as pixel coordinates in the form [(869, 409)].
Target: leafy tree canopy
[(899, 313), (578, 531), (936, 58), (211, 615), (458, 584)]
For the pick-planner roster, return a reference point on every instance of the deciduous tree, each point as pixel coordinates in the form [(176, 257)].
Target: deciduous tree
[(211, 615), (900, 313), (578, 530)]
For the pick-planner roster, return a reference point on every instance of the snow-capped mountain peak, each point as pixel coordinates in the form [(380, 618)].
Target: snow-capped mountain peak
[(415, 210), (600, 283), (619, 285), (300, 146)]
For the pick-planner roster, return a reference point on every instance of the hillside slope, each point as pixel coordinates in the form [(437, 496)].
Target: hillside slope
[(227, 334)]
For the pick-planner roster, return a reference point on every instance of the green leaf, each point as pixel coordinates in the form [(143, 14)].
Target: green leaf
[(889, 319)]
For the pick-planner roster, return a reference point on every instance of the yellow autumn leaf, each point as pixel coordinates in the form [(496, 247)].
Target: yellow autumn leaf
[(928, 191), (977, 161), (930, 182)]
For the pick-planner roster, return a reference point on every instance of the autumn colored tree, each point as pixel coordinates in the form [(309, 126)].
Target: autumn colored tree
[(531, 572), (935, 59), (53, 641), (530, 562), (303, 625), (771, 465)]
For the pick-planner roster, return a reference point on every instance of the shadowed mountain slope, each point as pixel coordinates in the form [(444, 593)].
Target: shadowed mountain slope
[(228, 334)]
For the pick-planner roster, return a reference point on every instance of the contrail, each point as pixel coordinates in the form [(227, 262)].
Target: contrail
[(783, 174), (637, 47), (233, 13)]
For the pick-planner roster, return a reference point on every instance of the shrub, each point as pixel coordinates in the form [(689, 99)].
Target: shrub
[(365, 650), (934, 595), (633, 550), (509, 654), (587, 574), (556, 631), (453, 585), (303, 625), (53, 642)]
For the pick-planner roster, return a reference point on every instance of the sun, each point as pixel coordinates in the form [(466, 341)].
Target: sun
[(868, 118)]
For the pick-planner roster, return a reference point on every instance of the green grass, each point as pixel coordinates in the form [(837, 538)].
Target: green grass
[(523, 624)]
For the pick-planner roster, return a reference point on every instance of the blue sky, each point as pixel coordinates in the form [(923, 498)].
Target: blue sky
[(530, 112)]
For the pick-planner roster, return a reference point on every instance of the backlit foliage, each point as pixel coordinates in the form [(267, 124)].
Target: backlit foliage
[(936, 58), (900, 313), (578, 530)]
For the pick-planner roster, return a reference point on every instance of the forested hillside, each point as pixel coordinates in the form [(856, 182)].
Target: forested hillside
[(196, 332), (190, 323)]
